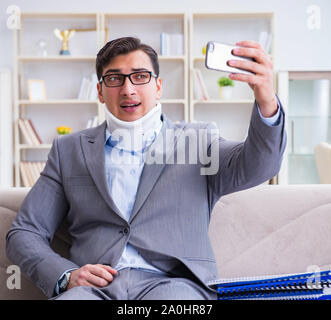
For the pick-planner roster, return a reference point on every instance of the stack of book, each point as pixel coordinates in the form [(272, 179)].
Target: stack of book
[(30, 171), (200, 90), (171, 44), (301, 286), (265, 40), (88, 88), (29, 132), (91, 123)]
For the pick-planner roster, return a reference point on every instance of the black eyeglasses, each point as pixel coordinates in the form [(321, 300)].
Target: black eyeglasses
[(118, 79)]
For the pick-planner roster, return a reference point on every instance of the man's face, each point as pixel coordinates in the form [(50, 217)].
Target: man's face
[(117, 99)]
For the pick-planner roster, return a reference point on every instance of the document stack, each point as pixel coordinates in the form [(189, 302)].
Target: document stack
[(301, 286)]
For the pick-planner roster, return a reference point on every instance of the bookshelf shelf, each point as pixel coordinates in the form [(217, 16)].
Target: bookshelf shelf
[(172, 101), (55, 58), (57, 101), (27, 146), (56, 15), (199, 58), (171, 58), (219, 101)]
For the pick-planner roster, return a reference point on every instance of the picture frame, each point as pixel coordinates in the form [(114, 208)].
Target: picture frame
[(36, 90)]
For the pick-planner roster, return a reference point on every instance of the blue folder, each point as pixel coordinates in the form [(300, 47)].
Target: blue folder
[(300, 286)]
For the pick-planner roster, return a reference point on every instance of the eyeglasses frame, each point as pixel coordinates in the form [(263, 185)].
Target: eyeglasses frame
[(128, 75)]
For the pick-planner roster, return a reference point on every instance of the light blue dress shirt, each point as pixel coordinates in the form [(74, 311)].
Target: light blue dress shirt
[(123, 170)]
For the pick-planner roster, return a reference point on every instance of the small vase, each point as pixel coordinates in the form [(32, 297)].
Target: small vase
[(226, 92)]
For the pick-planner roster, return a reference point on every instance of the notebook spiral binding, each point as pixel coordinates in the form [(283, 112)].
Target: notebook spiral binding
[(303, 286)]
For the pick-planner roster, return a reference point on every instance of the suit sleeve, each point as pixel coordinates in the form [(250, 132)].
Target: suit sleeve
[(249, 163), (42, 211)]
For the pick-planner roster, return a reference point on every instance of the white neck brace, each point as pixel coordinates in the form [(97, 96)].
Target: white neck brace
[(135, 135)]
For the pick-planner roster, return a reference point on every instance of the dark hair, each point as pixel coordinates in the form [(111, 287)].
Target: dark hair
[(124, 45)]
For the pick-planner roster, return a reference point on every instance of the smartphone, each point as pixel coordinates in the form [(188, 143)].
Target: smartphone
[(217, 55)]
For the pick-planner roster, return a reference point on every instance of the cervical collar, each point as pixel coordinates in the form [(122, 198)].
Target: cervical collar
[(134, 135)]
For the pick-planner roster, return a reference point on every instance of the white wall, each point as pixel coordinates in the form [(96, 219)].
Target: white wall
[(6, 139), (297, 47)]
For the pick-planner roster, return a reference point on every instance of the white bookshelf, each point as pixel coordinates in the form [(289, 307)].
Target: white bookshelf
[(63, 74), (231, 115), (178, 100)]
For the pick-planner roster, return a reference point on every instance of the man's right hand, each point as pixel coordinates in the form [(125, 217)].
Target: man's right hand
[(92, 275)]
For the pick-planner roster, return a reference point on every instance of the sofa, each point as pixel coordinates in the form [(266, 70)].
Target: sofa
[(265, 230), (322, 153)]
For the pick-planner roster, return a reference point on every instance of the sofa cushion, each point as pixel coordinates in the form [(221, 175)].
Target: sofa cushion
[(256, 232), (11, 200), (28, 290)]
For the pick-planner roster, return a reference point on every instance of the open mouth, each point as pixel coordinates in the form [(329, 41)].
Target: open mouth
[(133, 105)]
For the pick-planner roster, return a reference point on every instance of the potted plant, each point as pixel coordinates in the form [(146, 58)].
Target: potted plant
[(225, 86), (63, 130)]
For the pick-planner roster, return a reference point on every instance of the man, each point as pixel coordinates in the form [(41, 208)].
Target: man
[(140, 228)]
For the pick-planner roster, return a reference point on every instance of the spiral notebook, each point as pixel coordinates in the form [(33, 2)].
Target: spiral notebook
[(300, 286)]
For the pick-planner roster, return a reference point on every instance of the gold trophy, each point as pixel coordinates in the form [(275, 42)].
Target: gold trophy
[(64, 36)]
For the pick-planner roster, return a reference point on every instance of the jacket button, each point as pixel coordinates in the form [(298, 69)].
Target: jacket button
[(125, 230)]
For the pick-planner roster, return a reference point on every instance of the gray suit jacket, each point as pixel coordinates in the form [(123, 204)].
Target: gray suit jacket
[(170, 218)]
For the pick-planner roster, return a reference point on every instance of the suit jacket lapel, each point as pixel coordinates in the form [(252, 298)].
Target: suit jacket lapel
[(93, 147), (151, 172)]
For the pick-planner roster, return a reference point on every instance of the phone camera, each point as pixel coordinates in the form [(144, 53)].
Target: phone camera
[(211, 47)]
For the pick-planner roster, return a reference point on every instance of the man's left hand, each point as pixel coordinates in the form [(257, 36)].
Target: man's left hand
[(262, 82)]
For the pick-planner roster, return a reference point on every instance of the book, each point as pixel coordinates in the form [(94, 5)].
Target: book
[(88, 88), (84, 89), (29, 133), (203, 85), (33, 131), (200, 90), (265, 40), (92, 122), (171, 44), (300, 286), (25, 180), (25, 134), (93, 92), (30, 171)]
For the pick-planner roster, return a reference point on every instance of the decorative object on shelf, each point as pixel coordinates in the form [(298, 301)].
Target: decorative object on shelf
[(225, 87), (63, 130), (36, 90), (41, 48), (64, 36), (204, 50)]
